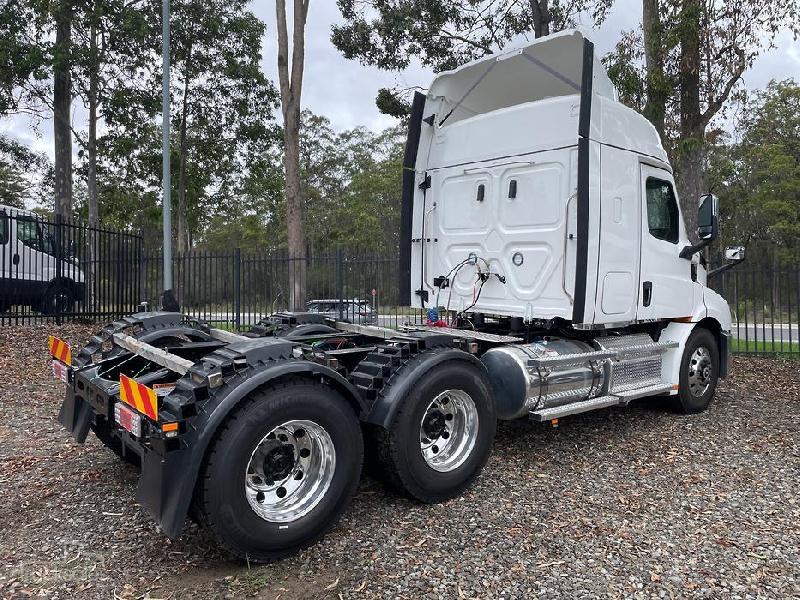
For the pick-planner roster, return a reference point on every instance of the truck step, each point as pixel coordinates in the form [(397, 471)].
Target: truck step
[(547, 414), (627, 396)]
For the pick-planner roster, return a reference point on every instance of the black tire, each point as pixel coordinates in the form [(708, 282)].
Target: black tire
[(398, 449), (221, 503), (115, 445), (699, 373), (58, 299)]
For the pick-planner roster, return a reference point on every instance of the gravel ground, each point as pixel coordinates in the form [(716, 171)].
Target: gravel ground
[(634, 502)]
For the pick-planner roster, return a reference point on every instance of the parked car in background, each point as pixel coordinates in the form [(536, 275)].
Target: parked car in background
[(352, 310), (30, 272)]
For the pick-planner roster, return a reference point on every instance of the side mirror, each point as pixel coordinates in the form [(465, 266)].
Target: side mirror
[(707, 225), (708, 218), (734, 253)]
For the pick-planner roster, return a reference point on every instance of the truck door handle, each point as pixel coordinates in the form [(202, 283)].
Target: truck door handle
[(647, 293), (15, 259)]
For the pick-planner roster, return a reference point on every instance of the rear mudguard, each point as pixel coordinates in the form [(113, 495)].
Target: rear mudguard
[(167, 483), (389, 399)]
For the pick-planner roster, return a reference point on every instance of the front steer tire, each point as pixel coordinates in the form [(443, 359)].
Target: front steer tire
[(398, 449), (699, 373), (221, 502)]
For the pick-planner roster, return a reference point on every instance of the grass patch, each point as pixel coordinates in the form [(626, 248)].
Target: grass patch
[(777, 348)]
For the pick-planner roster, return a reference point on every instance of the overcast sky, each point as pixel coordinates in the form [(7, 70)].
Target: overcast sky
[(344, 91)]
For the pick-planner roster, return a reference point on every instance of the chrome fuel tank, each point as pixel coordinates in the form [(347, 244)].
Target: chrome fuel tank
[(522, 381)]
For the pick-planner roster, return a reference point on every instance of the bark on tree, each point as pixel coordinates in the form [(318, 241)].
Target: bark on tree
[(62, 102), (540, 10), (693, 120), (291, 85), (91, 149), (183, 229), (692, 128), (655, 108), (91, 172)]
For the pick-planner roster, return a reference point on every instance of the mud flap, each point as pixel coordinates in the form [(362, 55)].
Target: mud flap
[(165, 489), (76, 415)]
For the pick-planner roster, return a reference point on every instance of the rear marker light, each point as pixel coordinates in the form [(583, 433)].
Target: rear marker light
[(170, 430), (214, 379)]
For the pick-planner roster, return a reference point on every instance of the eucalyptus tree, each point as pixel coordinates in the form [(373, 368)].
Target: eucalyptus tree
[(443, 34), (686, 65)]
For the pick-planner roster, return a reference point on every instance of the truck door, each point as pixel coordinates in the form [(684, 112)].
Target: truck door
[(666, 289)]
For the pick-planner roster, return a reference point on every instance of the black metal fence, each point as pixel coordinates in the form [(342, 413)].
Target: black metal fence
[(57, 270), (239, 288), (52, 268), (764, 297)]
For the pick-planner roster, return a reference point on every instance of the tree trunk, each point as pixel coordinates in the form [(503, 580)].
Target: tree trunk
[(91, 150), (91, 173), (655, 108), (540, 11), (183, 238), (291, 89), (62, 102), (692, 126), (294, 211)]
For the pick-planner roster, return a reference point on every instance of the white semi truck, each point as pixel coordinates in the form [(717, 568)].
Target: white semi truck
[(542, 235)]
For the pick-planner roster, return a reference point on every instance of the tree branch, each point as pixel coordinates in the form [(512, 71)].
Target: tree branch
[(715, 105)]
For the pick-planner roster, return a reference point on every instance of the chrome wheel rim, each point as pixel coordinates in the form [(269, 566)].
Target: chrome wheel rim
[(448, 430), (290, 471), (700, 371)]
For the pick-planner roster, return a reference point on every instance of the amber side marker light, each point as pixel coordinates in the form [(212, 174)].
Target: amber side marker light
[(170, 429)]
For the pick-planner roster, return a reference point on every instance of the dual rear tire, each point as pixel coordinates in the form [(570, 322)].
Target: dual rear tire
[(286, 463), (281, 470), (441, 434)]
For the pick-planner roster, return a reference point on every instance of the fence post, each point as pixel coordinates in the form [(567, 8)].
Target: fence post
[(59, 257), (237, 286), (140, 280), (339, 282)]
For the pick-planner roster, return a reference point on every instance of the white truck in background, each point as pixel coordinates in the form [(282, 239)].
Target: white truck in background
[(541, 232), (31, 274)]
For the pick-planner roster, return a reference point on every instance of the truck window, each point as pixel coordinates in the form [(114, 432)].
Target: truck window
[(3, 228), (29, 233), (662, 210)]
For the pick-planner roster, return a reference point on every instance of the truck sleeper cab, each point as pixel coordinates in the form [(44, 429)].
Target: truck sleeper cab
[(541, 233)]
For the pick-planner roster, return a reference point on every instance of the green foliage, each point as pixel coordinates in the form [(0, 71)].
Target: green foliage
[(351, 188), (390, 103), (758, 177), (441, 34), (24, 56), (25, 177)]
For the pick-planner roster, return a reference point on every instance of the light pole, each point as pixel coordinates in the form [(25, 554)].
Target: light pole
[(166, 197)]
